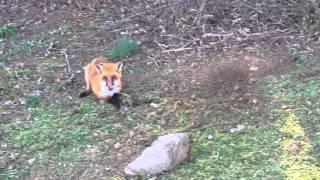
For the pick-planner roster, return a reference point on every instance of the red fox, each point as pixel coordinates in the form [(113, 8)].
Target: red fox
[(103, 78)]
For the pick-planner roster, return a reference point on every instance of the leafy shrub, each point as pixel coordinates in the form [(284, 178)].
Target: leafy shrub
[(124, 47)]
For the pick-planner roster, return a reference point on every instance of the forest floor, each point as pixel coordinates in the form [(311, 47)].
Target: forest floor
[(249, 97)]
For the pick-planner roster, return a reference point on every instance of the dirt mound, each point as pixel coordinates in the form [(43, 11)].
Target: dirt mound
[(238, 74), (225, 77)]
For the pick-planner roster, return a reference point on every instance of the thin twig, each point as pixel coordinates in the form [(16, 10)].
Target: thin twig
[(64, 51), (71, 78), (198, 17), (174, 36), (152, 10), (250, 7), (127, 95), (217, 35), (78, 4), (164, 82), (161, 45), (154, 60), (177, 50)]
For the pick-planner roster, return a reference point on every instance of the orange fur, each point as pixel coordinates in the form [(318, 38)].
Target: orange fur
[(103, 78)]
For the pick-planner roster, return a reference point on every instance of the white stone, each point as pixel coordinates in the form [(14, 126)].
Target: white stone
[(164, 154)]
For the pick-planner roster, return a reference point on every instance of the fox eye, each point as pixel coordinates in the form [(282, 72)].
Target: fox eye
[(113, 78), (105, 78)]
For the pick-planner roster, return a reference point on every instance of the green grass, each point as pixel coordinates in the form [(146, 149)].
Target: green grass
[(151, 99), (103, 13), (124, 47), (93, 24), (50, 64), (63, 29), (24, 46), (59, 136), (10, 29), (13, 173), (12, 73), (251, 154), (291, 89), (300, 93), (33, 101)]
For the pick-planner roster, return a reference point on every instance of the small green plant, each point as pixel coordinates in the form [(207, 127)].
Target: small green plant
[(300, 61), (103, 13), (64, 29), (93, 24), (10, 29), (24, 47), (15, 73), (124, 47), (33, 101), (151, 99)]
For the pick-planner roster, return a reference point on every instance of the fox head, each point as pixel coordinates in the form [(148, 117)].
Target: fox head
[(110, 75)]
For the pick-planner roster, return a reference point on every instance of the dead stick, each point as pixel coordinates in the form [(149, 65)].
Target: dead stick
[(177, 50), (64, 51), (154, 60), (198, 17)]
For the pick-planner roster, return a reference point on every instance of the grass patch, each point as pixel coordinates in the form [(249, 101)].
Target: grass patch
[(290, 89), (13, 174), (50, 64), (103, 13), (93, 24), (10, 29), (25, 46), (124, 47), (48, 132), (151, 99), (16, 73), (301, 61), (298, 94), (251, 154), (63, 29), (58, 137), (33, 101)]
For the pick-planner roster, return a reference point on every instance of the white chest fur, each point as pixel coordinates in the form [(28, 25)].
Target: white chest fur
[(105, 90)]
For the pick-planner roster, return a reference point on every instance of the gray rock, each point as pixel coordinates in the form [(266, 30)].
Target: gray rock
[(164, 154)]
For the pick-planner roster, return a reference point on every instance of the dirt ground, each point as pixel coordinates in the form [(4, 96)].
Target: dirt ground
[(210, 74)]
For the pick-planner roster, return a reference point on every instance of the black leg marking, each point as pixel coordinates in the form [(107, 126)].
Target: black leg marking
[(115, 100), (84, 94)]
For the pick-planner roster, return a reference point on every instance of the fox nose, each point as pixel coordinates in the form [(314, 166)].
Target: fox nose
[(110, 88)]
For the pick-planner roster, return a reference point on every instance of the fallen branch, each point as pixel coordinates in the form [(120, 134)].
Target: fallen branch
[(177, 50), (64, 51), (217, 35), (198, 17), (154, 60), (149, 10), (162, 46)]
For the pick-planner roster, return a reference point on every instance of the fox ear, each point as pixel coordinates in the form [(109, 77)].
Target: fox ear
[(119, 66), (98, 68)]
